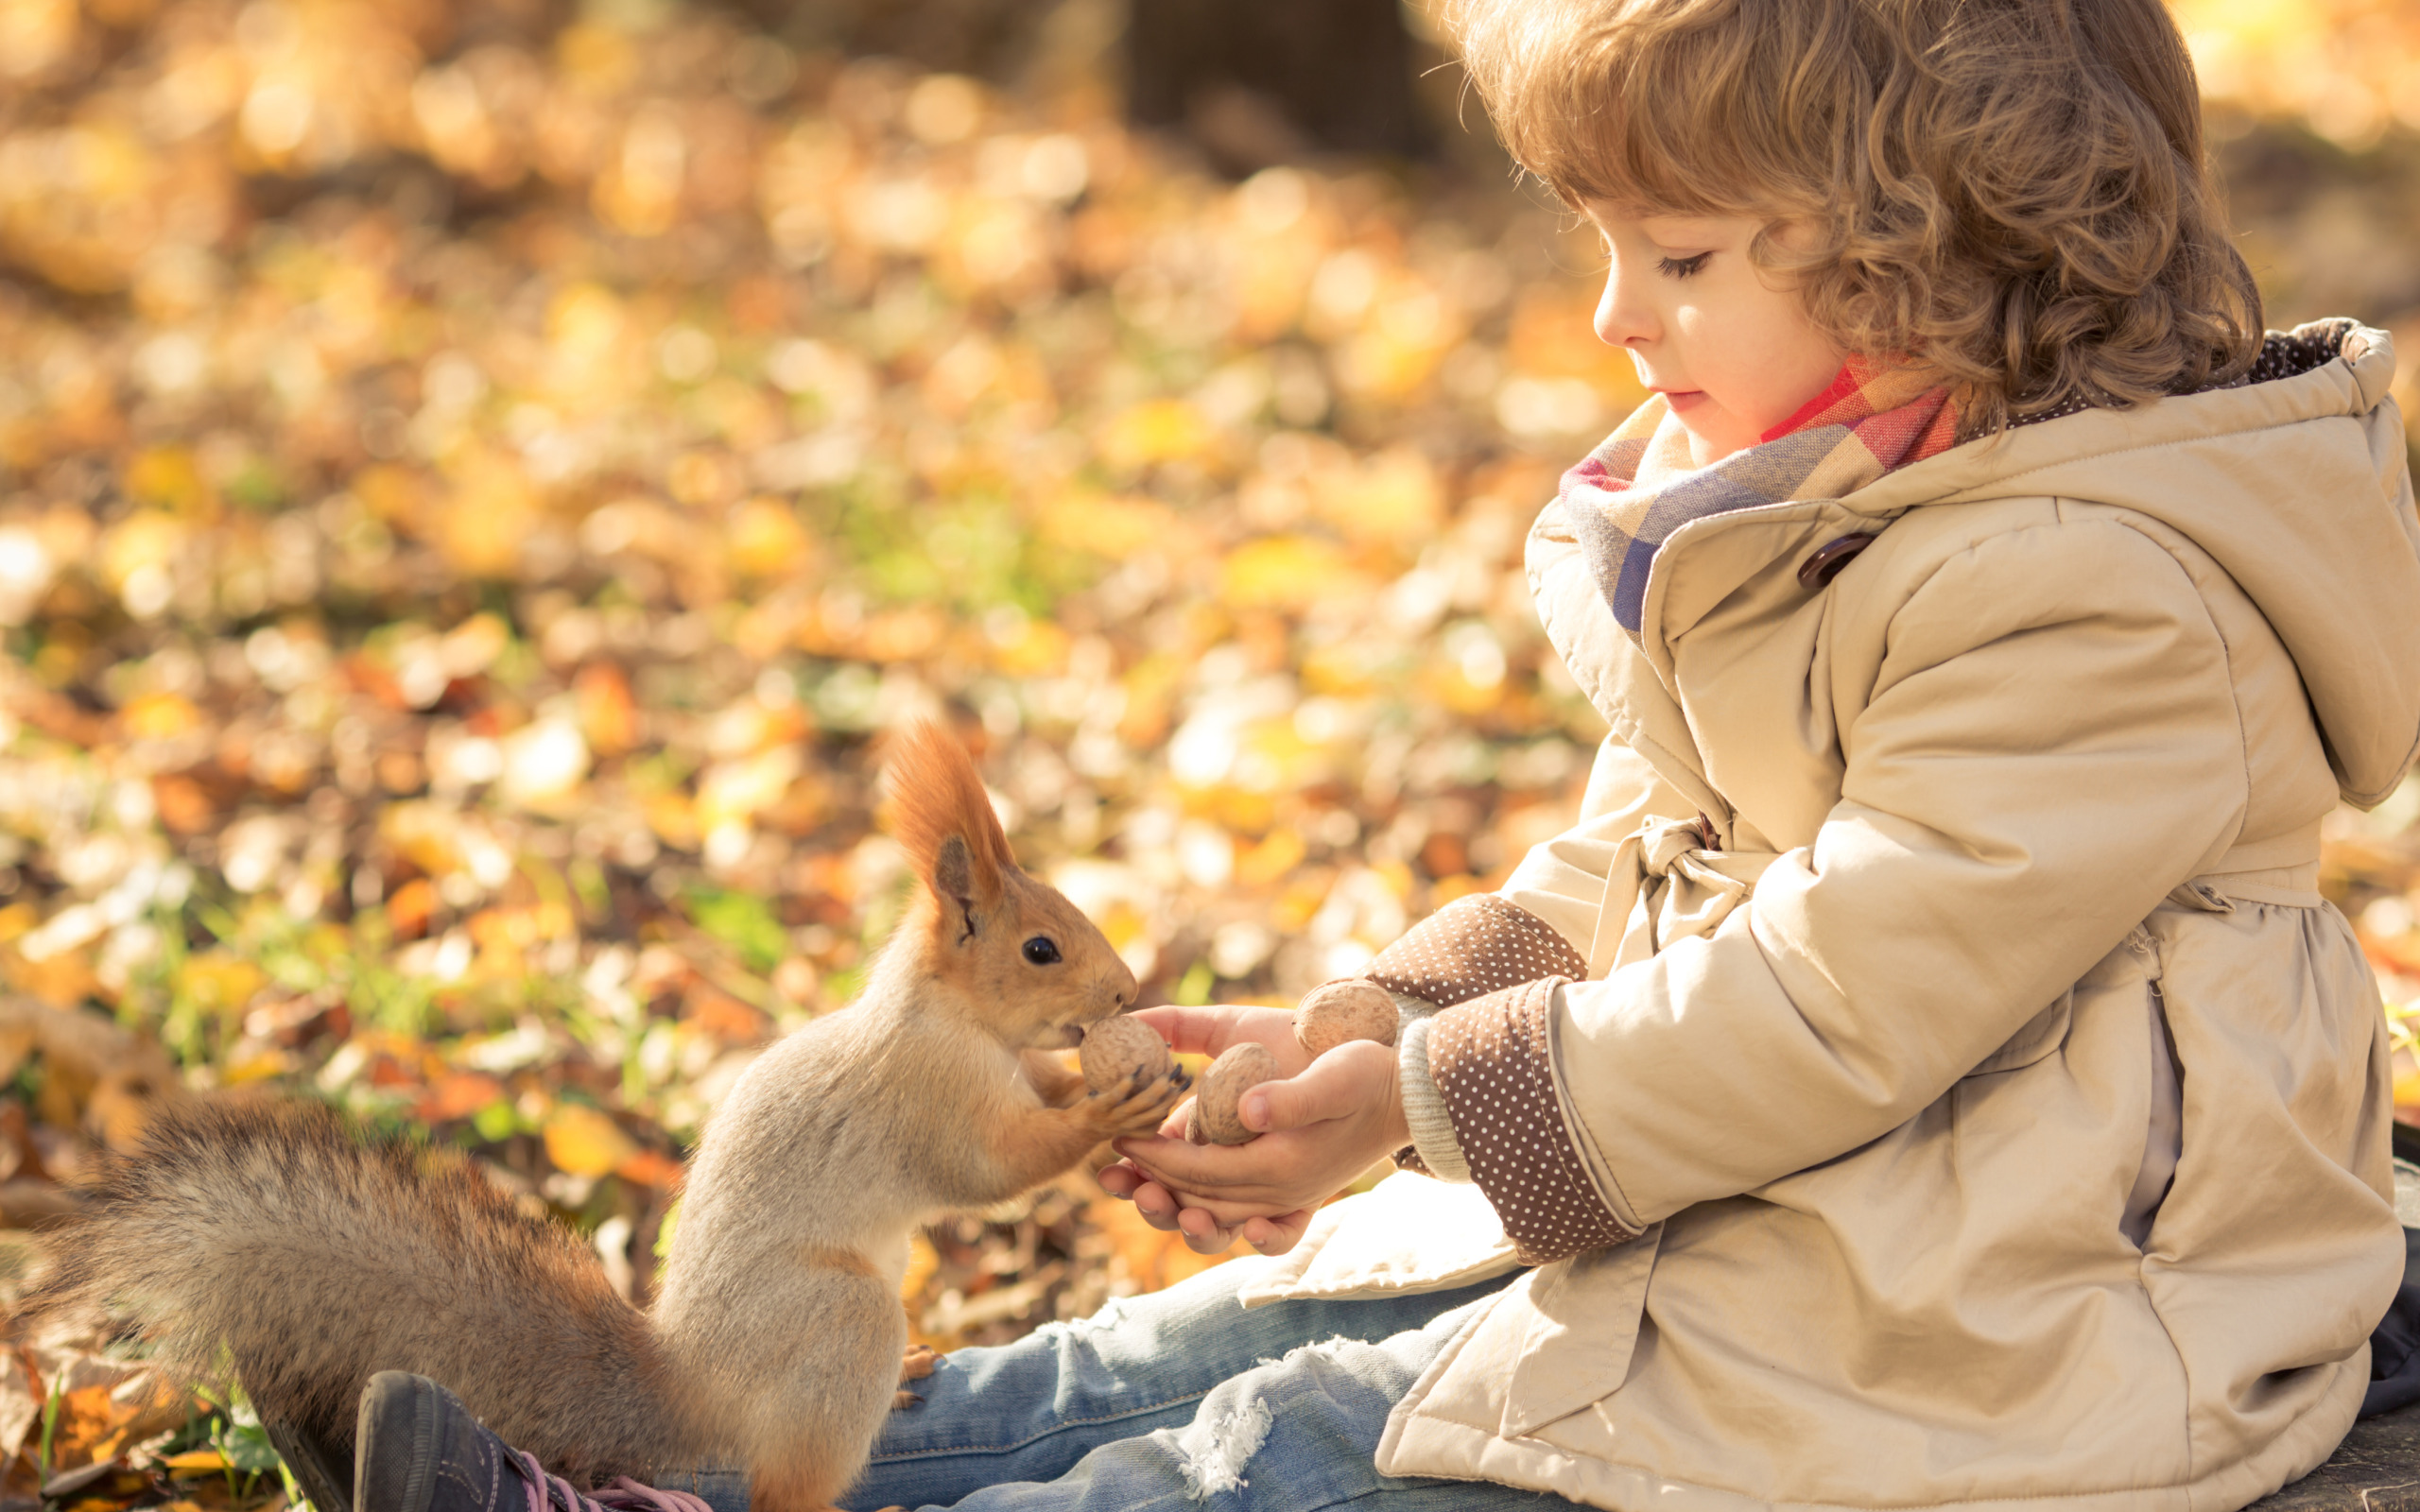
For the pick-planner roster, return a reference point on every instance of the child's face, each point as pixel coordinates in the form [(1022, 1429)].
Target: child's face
[(1732, 354)]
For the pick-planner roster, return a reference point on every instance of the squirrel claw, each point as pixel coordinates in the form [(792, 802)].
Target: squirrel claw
[(902, 1400), (917, 1362), (1141, 1104)]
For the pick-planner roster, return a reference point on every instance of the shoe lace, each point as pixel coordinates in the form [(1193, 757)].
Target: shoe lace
[(552, 1493)]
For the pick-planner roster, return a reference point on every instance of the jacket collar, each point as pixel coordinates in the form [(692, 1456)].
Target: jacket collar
[(2354, 652)]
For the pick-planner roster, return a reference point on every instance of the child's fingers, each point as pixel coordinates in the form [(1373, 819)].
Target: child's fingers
[(1185, 1167), (1217, 1027), (1275, 1236), (1203, 1233), (1158, 1206), (1233, 1181), (1337, 1085), (1200, 1031)]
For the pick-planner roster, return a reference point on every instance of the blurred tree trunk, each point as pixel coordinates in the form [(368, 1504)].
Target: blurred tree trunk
[(1253, 81), (1257, 81)]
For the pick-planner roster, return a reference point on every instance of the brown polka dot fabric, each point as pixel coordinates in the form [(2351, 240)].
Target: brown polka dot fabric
[(1489, 1056), (1471, 947)]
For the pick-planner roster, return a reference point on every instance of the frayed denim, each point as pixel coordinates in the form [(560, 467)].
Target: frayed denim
[(1184, 1400)]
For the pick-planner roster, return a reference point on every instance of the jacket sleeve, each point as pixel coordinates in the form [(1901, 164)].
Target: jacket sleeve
[(1537, 927), (2051, 744)]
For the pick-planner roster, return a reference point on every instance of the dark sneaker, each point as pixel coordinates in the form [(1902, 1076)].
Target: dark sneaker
[(322, 1470), (418, 1449)]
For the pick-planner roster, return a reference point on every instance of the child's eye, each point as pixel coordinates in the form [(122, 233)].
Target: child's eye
[(1682, 266)]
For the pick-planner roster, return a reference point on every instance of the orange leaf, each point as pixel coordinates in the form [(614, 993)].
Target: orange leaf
[(584, 1142), (721, 1015), (410, 908), (195, 1462), (1153, 1260), (650, 1168), (459, 1094)]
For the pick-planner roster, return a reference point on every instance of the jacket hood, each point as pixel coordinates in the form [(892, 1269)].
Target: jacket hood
[(2295, 481)]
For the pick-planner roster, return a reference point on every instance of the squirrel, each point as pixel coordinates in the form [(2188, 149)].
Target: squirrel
[(775, 1341)]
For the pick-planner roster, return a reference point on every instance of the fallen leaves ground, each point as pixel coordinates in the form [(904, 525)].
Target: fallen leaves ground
[(471, 485)]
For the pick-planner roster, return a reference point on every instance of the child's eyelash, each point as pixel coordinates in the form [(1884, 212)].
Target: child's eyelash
[(1682, 266)]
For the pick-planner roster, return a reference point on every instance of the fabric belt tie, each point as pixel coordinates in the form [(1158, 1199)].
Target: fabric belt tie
[(1668, 884)]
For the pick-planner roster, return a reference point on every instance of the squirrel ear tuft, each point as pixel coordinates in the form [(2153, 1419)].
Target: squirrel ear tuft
[(943, 819)]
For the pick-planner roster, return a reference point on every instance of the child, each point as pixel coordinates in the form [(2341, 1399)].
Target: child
[(1926, 1075)]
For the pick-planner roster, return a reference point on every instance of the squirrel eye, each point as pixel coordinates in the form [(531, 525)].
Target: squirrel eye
[(1040, 949)]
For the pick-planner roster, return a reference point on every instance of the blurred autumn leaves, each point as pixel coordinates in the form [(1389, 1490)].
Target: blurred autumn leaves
[(470, 489), (472, 483)]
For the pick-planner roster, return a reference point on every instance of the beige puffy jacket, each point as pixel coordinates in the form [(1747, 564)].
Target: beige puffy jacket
[(1999, 1110)]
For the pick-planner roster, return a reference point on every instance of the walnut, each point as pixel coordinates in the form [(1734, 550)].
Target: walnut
[(1114, 1049), (1214, 1119), (1353, 1008)]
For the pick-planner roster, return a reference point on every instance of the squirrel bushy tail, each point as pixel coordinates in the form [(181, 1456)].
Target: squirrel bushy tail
[(318, 1258)]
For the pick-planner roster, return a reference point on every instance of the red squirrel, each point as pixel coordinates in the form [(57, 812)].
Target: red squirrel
[(316, 1259)]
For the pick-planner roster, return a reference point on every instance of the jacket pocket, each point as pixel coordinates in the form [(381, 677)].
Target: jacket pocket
[(2041, 1035)]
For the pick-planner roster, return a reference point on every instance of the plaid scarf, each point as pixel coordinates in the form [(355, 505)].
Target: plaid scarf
[(1638, 486)]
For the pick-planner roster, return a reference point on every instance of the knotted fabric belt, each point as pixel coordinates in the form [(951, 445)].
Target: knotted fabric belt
[(1669, 882)]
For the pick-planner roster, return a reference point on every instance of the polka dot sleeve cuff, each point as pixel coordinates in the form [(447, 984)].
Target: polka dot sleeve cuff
[(1490, 1059), (1471, 947)]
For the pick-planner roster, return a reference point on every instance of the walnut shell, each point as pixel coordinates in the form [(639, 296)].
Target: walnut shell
[(1114, 1049), (1353, 1008), (1243, 1067)]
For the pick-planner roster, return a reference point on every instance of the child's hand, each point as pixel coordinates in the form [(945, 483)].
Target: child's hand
[(1322, 1125)]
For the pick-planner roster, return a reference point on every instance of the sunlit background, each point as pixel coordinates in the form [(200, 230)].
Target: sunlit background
[(474, 477)]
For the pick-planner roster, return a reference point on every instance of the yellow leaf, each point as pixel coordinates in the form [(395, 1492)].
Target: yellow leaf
[(673, 819), (1395, 497), (1103, 526), (146, 540), (427, 834), (733, 792), (1038, 648), (766, 539), (1285, 571), (219, 981), (159, 716), (167, 476), (2407, 1090), (584, 1142), (255, 1068), (922, 1259), (195, 1462), (1157, 430), (1271, 859)]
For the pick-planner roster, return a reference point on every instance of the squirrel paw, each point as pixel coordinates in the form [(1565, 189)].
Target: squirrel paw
[(914, 1364), (1140, 1104)]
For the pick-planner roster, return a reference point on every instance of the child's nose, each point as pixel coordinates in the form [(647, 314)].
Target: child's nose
[(1620, 320)]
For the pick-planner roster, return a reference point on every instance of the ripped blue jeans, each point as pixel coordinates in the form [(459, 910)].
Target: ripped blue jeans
[(1183, 1399)]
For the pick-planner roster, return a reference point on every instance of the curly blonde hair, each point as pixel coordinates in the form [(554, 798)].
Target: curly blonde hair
[(2014, 191)]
